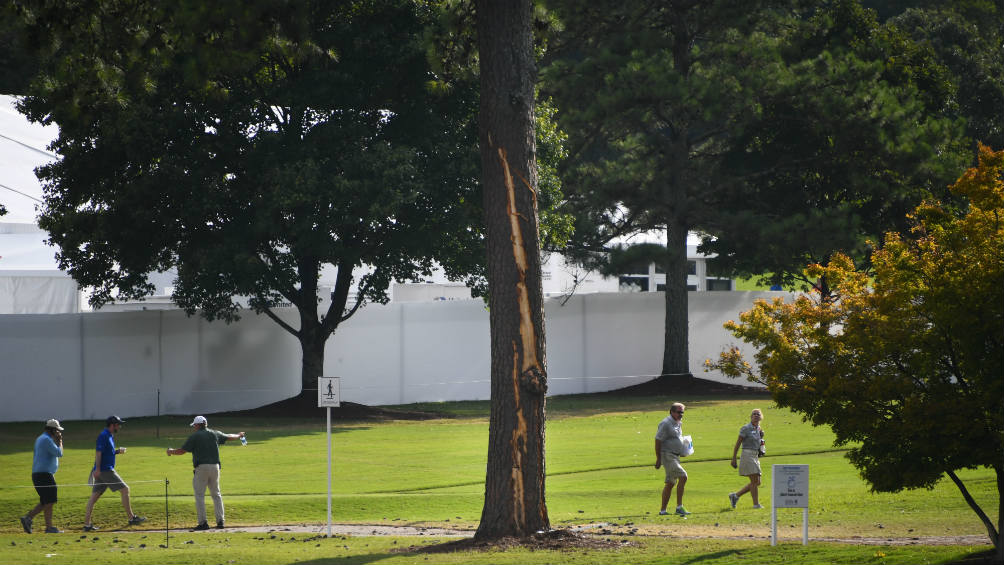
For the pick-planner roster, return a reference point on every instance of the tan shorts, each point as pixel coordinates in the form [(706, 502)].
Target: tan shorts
[(671, 463), (749, 463), (107, 479)]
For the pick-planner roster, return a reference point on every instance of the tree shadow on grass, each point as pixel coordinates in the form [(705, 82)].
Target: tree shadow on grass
[(554, 540), (289, 417), (712, 556), (348, 559)]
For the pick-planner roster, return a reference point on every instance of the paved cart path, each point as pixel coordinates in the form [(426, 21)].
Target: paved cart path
[(357, 530)]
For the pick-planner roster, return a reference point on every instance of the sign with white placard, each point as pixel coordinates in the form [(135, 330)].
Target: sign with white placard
[(791, 486), (327, 397), (790, 489), (327, 392)]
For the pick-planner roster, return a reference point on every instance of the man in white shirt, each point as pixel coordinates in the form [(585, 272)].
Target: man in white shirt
[(668, 447)]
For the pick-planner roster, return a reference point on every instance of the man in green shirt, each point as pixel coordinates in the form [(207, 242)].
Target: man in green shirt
[(204, 447)]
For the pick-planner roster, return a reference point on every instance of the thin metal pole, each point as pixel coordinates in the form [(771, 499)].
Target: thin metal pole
[(328, 408), (773, 524), (805, 526), (167, 517)]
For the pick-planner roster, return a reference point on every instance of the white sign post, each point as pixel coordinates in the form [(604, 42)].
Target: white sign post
[(790, 489), (327, 396)]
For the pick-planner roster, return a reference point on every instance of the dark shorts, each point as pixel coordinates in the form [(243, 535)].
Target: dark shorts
[(45, 486)]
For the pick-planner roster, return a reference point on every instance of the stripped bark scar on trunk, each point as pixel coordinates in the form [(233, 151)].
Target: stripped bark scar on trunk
[(524, 353), (526, 331), (518, 445)]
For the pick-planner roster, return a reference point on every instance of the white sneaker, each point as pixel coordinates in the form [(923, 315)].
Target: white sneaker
[(757, 507)]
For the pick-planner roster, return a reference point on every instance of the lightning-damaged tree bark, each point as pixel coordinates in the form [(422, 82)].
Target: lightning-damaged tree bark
[(514, 484)]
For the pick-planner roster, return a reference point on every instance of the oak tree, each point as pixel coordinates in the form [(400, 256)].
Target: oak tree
[(247, 146)]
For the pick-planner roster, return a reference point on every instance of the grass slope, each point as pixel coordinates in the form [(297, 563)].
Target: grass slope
[(600, 459)]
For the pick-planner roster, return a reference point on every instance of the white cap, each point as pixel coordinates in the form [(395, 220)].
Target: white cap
[(198, 420), (54, 424)]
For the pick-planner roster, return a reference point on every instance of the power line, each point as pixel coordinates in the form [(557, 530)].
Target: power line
[(32, 148), (14, 190)]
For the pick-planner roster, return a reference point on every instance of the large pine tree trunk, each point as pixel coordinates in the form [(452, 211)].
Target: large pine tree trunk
[(676, 348), (514, 484)]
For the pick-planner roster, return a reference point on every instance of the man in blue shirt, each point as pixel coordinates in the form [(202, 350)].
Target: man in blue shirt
[(48, 450), (103, 475)]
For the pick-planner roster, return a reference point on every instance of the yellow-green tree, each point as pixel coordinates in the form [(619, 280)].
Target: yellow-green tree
[(905, 361)]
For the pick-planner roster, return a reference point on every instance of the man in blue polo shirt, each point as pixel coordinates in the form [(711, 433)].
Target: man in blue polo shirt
[(48, 450), (103, 475)]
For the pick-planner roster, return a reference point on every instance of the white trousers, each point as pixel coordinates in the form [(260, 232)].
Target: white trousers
[(207, 476)]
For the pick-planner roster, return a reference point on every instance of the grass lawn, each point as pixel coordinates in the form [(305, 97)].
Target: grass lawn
[(242, 548), (600, 459)]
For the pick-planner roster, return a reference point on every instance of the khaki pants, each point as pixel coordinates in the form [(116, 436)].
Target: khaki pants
[(207, 475)]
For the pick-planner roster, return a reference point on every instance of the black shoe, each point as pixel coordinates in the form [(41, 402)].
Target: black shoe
[(219, 524), (136, 520), (91, 528), (202, 526)]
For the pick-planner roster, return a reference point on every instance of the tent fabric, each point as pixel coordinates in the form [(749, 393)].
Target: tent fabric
[(37, 292), (26, 251), (30, 281)]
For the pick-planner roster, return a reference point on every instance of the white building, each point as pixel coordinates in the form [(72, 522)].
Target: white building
[(652, 277)]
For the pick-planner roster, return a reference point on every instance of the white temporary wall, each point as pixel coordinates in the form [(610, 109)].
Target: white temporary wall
[(87, 366), (90, 365)]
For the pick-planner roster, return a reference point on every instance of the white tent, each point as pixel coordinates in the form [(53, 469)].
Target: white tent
[(30, 281)]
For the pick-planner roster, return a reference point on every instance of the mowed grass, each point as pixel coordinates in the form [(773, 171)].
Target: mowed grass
[(600, 457), (282, 548)]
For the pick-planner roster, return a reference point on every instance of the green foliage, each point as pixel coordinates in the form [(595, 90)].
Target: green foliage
[(556, 224), (905, 359), (633, 258), (667, 85), (965, 38), (849, 135), (248, 145), (17, 62), (784, 131)]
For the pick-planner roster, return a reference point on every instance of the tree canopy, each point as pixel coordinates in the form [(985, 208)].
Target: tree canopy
[(904, 360), (783, 131), (248, 145), (668, 84), (860, 123)]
